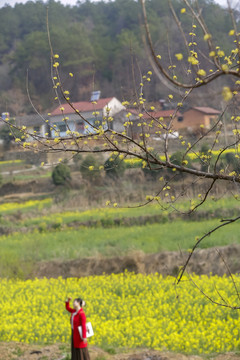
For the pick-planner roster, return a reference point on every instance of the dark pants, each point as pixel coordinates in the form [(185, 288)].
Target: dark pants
[(78, 353)]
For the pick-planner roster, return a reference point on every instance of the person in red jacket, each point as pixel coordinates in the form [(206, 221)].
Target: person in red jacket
[(79, 348)]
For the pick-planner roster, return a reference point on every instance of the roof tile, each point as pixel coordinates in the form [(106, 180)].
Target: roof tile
[(157, 114), (206, 110), (82, 106)]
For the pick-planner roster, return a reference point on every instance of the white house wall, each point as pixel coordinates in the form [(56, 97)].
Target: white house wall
[(73, 120), (42, 132), (115, 106)]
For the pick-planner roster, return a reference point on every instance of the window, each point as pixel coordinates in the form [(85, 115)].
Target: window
[(180, 118), (80, 127), (36, 129), (62, 128), (97, 122)]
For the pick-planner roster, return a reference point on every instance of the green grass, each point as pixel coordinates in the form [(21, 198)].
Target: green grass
[(103, 214), (106, 215), (19, 251), (26, 177)]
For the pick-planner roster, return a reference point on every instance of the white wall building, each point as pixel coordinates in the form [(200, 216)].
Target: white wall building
[(92, 112), (34, 125)]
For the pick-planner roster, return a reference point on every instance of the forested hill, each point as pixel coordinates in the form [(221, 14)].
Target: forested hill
[(91, 37)]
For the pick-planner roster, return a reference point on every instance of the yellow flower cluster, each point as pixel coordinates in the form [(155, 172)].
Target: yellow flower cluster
[(15, 206), (191, 155), (126, 310), (9, 162)]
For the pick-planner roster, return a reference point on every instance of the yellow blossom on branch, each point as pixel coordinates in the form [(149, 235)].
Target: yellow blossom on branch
[(179, 56), (227, 93), (201, 72), (207, 37), (192, 60)]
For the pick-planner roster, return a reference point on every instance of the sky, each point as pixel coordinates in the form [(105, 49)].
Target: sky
[(73, 2)]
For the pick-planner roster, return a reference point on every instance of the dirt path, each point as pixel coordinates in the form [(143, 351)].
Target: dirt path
[(204, 261), (19, 351)]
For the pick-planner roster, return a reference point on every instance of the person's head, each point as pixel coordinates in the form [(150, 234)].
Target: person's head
[(78, 303)]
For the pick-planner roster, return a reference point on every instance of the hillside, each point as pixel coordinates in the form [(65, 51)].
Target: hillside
[(92, 39)]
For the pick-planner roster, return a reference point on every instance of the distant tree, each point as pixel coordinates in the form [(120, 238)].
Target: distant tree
[(94, 37), (7, 135), (61, 174)]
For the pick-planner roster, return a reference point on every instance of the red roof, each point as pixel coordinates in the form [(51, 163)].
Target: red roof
[(157, 114), (82, 106), (207, 110)]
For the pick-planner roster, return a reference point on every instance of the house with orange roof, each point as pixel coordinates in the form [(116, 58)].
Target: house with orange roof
[(196, 116), (189, 120), (154, 118), (83, 116)]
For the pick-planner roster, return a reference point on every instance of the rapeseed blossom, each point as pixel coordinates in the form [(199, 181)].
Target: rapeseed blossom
[(15, 206), (126, 310)]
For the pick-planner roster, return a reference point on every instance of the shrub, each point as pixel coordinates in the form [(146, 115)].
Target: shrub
[(152, 173), (204, 157), (177, 159), (77, 158), (42, 227), (77, 161), (233, 161), (61, 174), (133, 163), (114, 167), (89, 168), (204, 149)]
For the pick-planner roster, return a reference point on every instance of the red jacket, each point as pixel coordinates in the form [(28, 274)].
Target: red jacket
[(77, 319)]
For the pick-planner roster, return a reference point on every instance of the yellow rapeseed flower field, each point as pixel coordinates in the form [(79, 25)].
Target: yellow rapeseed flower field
[(15, 206), (191, 155), (9, 162), (126, 310)]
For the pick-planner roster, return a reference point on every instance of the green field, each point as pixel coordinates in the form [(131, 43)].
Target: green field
[(20, 251), (41, 237), (212, 208)]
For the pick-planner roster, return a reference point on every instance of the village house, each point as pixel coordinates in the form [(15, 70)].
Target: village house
[(92, 111), (34, 124), (95, 111), (154, 118), (196, 116)]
